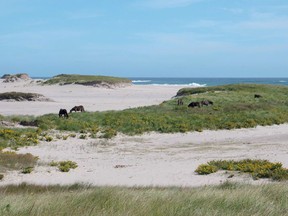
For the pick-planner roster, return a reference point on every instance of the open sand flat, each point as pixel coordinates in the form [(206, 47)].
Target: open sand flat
[(147, 160), (92, 98)]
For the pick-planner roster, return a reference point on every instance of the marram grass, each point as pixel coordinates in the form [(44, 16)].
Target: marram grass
[(226, 199)]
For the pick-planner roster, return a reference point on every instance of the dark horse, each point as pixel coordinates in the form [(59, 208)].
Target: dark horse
[(206, 103), (194, 104), (63, 112), (77, 109)]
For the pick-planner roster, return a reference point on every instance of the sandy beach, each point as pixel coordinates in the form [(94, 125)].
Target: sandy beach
[(148, 160)]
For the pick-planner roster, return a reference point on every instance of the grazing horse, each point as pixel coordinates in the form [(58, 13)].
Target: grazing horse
[(194, 104), (180, 102), (257, 96), (206, 103), (63, 112), (77, 108)]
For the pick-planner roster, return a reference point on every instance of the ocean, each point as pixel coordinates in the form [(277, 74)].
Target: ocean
[(201, 82)]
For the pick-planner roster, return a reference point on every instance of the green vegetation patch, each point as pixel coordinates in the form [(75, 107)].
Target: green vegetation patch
[(20, 96), (15, 138), (234, 106), (257, 168), (233, 109), (226, 199), (64, 166), (64, 79)]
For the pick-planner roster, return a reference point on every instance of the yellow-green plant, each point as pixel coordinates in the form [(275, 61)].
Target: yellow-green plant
[(257, 168), (27, 170), (205, 169), (64, 166)]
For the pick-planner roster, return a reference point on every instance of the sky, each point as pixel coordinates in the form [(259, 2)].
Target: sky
[(145, 38)]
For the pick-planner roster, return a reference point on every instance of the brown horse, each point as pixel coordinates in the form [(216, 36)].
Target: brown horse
[(206, 103), (63, 113), (77, 109)]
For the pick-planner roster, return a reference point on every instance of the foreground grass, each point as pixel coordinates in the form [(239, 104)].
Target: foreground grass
[(85, 79), (226, 199)]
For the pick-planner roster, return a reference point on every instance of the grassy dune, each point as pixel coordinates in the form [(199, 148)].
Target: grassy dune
[(234, 107), (226, 199), (85, 80)]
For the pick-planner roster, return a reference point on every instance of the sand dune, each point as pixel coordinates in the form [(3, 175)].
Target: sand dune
[(147, 160)]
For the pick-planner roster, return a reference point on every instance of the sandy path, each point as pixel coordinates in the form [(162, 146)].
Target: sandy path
[(155, 159)]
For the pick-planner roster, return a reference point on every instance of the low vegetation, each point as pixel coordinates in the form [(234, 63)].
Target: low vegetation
[(12, 161), (15, 137), (64, 79), (21, 96), (64, 166), (257, 168), (233, 107), (226, 199)]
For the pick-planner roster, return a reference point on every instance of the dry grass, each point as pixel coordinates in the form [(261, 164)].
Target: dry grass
[(226, 199)]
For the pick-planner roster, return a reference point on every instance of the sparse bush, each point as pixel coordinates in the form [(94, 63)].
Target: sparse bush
[(48, 138), (53, 163), (64, 166), (82, 136), (27, 170), (205, 169), (257, 168)]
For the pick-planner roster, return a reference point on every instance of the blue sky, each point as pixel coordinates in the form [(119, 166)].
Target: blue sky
[(145, 38)]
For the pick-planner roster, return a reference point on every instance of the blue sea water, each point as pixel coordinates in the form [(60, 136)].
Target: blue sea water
[(199, 82)]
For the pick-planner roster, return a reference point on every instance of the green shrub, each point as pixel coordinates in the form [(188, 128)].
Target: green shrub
[(53, 163), (82, 136), (65, 166), (27, 170), (1, 176), (257, 168), (205, 169)]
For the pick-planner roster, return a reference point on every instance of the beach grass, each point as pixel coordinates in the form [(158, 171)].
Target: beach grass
[(85, 79), (234, 107), (225, 199), (12, 161), (20, 96)]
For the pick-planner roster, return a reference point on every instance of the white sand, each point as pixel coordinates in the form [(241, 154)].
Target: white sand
[(148, 160)]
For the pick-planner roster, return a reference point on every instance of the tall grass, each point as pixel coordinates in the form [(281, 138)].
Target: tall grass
[(226, 199)]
